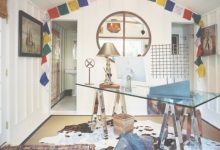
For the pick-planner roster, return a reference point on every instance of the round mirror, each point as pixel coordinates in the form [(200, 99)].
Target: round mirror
[(127, 31)]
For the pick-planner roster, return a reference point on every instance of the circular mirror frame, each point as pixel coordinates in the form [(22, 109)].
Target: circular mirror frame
[(124, 13)]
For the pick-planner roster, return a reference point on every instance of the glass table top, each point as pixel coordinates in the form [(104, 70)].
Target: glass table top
[(196, 98)]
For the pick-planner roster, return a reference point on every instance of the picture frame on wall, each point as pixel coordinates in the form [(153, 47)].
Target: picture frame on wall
[(30, 36), (209, 40)]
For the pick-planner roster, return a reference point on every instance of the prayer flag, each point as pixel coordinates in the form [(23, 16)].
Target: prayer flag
[(63, 9), (43, 59), (46, 38), (46, 49), (161, 2), (187, 14), (196, 18), (199, 33), (73, 5), (169, 5), (178, 10), (43, 79), (53, 13), (201, 23), (198, 61), (201, 71), (199, 51), (46, 28), (83, 3), (45, 68), (198, 42)]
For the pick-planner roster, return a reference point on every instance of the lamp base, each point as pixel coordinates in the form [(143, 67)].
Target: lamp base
[(107, 85)]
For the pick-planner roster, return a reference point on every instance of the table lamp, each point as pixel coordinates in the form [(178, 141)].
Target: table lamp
[(108, 50)]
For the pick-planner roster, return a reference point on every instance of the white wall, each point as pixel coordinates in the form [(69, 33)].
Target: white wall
[(211, 111), (28, 100), (89, 18)]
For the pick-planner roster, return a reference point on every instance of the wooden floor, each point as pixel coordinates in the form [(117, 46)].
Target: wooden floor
[(56, 123)]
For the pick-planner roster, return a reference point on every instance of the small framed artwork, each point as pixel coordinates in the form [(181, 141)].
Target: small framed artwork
[(208, 40), (175, 44), (30, 36)]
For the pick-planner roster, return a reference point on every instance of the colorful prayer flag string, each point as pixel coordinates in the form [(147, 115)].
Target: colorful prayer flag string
[(63, 9), (73, 5), (44, 79), (83, 3), (169, 5), (53, 13), (46, 50), (161, 2), (187, 14)]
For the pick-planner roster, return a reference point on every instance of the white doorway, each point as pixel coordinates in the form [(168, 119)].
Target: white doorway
[(64, 71), (3, 88)]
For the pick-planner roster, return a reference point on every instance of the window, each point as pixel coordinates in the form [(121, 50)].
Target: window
[(127, 31)]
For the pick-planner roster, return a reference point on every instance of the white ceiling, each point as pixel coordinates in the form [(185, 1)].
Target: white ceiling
[(199, 6)]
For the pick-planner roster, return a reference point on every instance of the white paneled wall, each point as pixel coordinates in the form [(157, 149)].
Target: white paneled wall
[(88, 19), (29, 101), (211, 82)]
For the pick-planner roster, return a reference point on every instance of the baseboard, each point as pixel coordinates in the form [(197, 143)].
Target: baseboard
[(211, 124), (68, 92), (35, 130), (3, 144)]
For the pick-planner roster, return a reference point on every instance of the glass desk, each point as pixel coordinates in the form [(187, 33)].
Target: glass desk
[(196, 99)]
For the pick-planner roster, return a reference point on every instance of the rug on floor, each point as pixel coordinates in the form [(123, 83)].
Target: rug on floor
[(50, 147), (81, 134)]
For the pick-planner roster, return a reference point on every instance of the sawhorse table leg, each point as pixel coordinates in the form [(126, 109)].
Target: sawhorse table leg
[(170, 112), (99, 104), (119, 99)]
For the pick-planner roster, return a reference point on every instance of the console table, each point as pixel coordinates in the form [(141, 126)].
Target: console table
[(197, 98)]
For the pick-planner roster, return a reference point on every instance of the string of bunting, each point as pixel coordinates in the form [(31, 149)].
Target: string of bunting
[(46, 50), (73, 5), (68, 7), (53, 13), (188, 14)]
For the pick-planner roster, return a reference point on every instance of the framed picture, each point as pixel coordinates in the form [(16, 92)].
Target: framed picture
[(209, 40), (175, 44), (30, 36)]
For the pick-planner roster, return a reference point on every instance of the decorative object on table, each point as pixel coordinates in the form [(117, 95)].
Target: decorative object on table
[(123, 123), (30, 36), (208, 40), (89, 63), (108, 50), (178, 90), (127, 71)]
